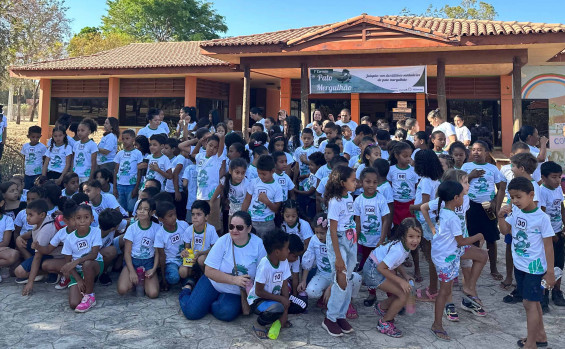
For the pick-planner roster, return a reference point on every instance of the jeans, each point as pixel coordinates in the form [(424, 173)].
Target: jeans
[(172, 273), (204, 299), (269, 311), (124, 196), (340, 298), (372, 277)]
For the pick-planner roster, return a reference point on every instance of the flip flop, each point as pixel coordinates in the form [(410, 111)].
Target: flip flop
[(497, 276), (437, 334), (428, 297), (418, 278), (505, 286), (522, 342), (258, 330)]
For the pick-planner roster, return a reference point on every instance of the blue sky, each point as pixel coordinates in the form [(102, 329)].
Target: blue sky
[(257, 16)]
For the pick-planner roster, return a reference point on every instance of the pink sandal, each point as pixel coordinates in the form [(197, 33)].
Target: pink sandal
[(351, 312), (428, 297)]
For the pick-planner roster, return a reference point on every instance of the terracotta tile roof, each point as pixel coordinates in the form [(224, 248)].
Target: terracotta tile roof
[(438, 26), (139, 55)]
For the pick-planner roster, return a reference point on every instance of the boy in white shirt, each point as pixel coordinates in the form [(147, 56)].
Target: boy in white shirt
[(126, 178), (174, 186), (208, 165), (281, 177), (159, 166), (351, 148), (33, 152)]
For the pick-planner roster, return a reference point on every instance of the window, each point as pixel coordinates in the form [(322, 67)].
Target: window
[(482, 117), (79, 108), (205, 105), (133, 110), (535, 112)]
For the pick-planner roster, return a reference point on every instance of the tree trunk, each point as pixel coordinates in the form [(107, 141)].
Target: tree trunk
[(35, 101), (10, 114), (19, 105)]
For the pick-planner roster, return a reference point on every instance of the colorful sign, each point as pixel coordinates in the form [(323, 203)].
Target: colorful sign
[(369, 80)]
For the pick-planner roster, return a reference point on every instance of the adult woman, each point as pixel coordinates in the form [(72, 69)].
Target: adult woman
[(530, 136), (230, 268), (461, 131), (439, 124), (281, 117), (186, 121), (108, 145), (316, 116)]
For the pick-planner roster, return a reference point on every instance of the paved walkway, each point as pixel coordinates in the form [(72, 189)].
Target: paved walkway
[(44, 320)]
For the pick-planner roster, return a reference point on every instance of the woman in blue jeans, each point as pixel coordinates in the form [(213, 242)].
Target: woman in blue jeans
[(229, 272)]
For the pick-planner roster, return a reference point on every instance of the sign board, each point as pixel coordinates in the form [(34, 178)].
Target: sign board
[(402, 104), (400, 116), (410, 79), (402, 110)]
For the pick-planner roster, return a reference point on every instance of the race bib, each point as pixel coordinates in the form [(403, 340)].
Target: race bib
[(369, 210), (175, 238), (82, 244), (277, 277), (198, 240), (323, 250), (401, 176), (146, 242), (521, 223), (350, 207)]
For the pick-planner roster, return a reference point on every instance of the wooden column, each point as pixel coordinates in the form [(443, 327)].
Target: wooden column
[(304, 89), (441, 96), (506, 119), (190, 91), (44, 108), (355, 108), (246, 100), (114, 97), (517, 93), (236, 97), (421, 110), (286, 94)]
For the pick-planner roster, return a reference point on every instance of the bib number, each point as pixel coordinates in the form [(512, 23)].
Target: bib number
[(277, 277), (146, 242), (521, 223), (175, 239)]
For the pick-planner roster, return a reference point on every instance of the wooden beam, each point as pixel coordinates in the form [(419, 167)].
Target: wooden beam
[(246, 100), (44, 108), (421, 110), (113, 97), (190, 83), (506, 119), (517, 93), (286, 93), (441, 95), (304, 89)]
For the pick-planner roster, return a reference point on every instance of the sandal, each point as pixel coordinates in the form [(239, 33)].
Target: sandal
[(441, 335), (261, 334), (351, 312), (427, 297), (505, 286), (418, 278), (522, 342), (497, 276)]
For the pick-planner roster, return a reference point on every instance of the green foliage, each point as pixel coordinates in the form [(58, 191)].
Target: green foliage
[(90, 40), (467, 9), (163, 20)]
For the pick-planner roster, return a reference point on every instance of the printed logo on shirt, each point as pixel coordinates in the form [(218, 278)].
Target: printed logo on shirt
[(401, 176), (82, 244), (277, 277), (369, 210), (146, 242), (175, 238), (80, 146), (556, 202), (350, 207), (521, 223)]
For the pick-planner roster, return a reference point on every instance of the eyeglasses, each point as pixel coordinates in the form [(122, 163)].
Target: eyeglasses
[(238, 227)]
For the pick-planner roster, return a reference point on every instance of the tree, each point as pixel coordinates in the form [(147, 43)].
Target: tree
[(163, 20), (90, 40), (467, 9)]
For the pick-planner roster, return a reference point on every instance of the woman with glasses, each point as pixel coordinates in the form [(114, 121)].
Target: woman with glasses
[(228, 276)]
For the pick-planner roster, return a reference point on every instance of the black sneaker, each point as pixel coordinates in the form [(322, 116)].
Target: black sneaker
[(52, 279), (557, 297), (545, 302), (512, 298), (105, 279)]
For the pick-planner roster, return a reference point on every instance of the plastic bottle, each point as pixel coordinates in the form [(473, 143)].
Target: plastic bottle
[(558, 273), (411, 304), (274, 330), (189, 261), (140, 287)]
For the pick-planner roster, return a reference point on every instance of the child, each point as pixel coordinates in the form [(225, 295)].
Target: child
[(318, 133), (331, 151), (99, 200), (153, 125), (446, 161), (84, 261), (333, 132), (126, 177), (85, 151), (296, 250), (13, 204), (524, 165), (292, 224), (438, 142), (342, 247), (346, 132), (301, 155), (403, 180), (169, 242), (109, 223), (70, 185), (189, 182), (307, 188), (139, 251), (58, 157), (279, 143), (383, 138), (458, 152), (264, 196), (108, 144), (447, 249), (369, 155), (483, 177), (208, 165), (380, 271), (533, 259), (320, 190), (158, 166), (233, 187), (21, 225), (252, 169), (372, 219), (200, 237), (280, 175), (356, 161), (269, 296), (104, 176), (551, 202), (8, 256), (172, 186), (33, 153), (461, 131), (420, 142), (412, 127)]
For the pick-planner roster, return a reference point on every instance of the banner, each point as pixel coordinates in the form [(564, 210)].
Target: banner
[(369, 80)]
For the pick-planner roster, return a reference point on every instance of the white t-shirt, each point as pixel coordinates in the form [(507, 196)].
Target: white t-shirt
[(21, 221), (127, 169), (403, 183), (203, 240), (444, 245), (317, 138), (317, 252), (289, 158), (108, 142), (259, 211), (459, 211), (300, 228), (285, 182), (352, 125), (177, 160), (370, 211), (355, 162), (537, 173), (251, 172), (322, 146), (58, 157), (386, 190), (148, 131), (271, 277), (528, 231), (552, 200), (190, 173), (323, 172), (208, 175), (142, 240), (70, 140), (6, 223), (108, 201), (426, 186), (392, 254), (342, 211), (82, 162), (247, 258), (447, 129), (78, 247), (351, 149), (483, 188), (162, 162), (33, 158), (172, 242), (309, 182), (60, 237), (304, 169), (414, 153), (236, 194), (463, 134)]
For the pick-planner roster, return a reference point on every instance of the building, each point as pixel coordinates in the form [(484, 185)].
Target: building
[(471, 67)]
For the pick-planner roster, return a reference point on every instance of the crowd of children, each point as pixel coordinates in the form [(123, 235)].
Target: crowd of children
[(335, 203)]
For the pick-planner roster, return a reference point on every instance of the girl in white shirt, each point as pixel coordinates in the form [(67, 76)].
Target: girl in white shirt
[(85, 151), (108, 145)]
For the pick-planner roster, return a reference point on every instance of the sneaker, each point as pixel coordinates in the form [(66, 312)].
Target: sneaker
[(63, 283), (23, 281), (351, 313), (52, 279), (86, 303), (345, 326), (378, 310), (513, 297), (557, 297), (450, 312), (473, 308), (545, 302), (388, 328), (332, 327), (105, 279)]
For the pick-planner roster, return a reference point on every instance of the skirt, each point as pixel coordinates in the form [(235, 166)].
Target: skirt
[(479, 222)]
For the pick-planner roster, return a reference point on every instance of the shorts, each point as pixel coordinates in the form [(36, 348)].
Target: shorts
[(447, 272), (74, 282), (428, 235), (371, 276), (478, 222), (528, 285), (27, 263), (508, 239), (146, 263), (401, 211), (559, 251)]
